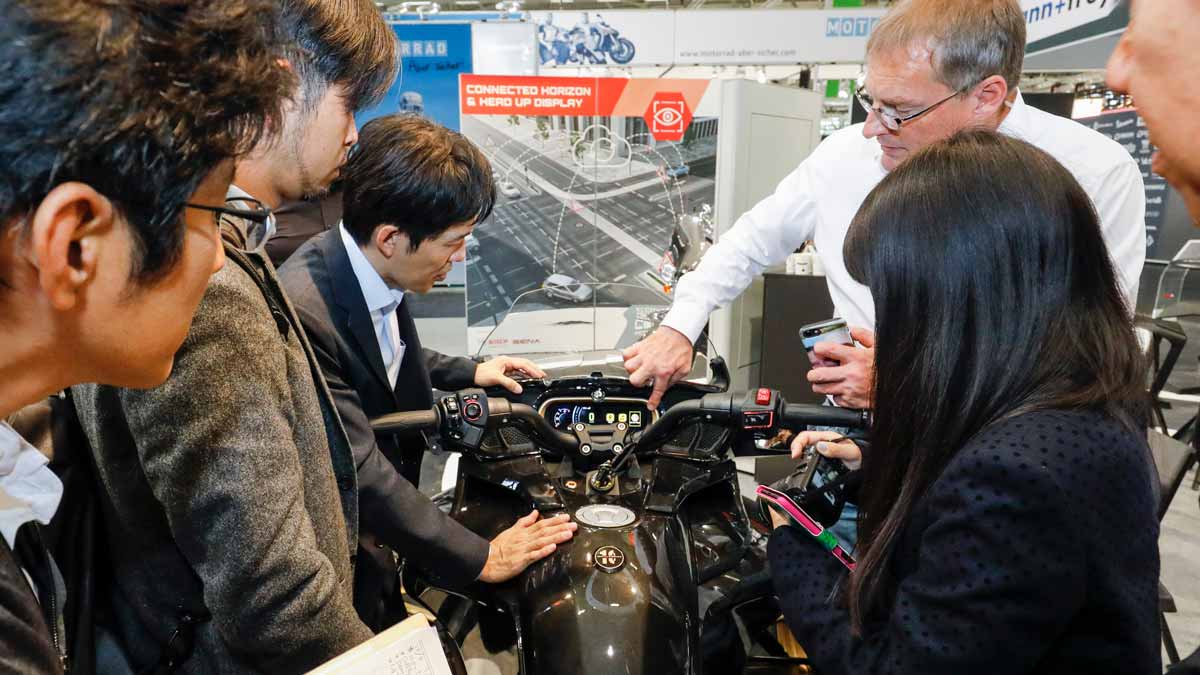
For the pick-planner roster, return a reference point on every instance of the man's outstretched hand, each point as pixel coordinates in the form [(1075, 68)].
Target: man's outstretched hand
[(497, 371), (528, 541), (661, 360)]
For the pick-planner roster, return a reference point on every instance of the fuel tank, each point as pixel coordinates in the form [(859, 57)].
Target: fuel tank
[(622, 596)]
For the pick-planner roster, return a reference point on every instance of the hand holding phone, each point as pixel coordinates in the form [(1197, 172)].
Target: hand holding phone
[(832, 330)]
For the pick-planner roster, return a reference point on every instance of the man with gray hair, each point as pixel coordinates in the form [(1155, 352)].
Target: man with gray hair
[(934, 67)]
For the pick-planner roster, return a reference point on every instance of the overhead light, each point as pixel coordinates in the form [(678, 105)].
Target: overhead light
[(467, 2)]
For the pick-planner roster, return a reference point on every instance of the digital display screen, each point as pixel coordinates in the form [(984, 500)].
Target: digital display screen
[(563, 415)]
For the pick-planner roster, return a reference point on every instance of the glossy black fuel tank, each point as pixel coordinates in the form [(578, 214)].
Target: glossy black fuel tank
[(620, 600)]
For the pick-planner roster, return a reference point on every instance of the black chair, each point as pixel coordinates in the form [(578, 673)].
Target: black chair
[(1169, 332), (1173, 460)]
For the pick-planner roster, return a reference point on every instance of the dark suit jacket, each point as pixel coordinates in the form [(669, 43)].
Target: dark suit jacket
[(1035, 551), (231, 489), (330, 303)]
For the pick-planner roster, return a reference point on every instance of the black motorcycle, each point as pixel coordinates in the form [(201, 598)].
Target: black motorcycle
[(667, 572)]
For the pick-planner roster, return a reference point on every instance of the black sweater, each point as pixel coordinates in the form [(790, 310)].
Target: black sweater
[(1036, 551)]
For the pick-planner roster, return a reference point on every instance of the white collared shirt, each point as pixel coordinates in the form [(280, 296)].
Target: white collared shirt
[(382, 302), (818, 200), (29, 490)]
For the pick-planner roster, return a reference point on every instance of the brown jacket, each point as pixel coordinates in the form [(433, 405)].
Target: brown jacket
[(231, 490)]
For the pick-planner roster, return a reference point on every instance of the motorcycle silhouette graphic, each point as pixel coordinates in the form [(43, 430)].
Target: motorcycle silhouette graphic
[(588, 43)]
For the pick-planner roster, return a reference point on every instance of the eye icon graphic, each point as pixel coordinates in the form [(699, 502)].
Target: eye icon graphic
[(668, 116)]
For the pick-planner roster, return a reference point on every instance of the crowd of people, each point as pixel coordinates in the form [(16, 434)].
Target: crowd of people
[(986, 254)]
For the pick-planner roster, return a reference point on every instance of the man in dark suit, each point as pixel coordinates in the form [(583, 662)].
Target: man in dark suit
[(412, 193)]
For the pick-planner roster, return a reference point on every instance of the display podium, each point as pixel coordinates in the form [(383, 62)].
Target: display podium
[(789, 302)]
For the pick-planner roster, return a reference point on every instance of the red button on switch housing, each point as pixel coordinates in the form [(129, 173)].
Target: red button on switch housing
[(763, 397)]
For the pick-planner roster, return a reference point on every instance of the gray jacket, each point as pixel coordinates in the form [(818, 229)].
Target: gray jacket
[(231, 490)]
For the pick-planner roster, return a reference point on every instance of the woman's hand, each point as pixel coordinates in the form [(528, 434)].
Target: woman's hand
[(830, 444)]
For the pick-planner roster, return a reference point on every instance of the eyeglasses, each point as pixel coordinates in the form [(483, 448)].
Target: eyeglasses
[(892, 120), (257, 222)]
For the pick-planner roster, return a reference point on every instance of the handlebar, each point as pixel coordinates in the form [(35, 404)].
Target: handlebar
[(824, 415), (719, 408), (563, 442), (407, 422), (723, 408), (427, 420)]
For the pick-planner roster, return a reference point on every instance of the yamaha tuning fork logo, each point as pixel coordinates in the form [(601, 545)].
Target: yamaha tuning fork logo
[(609, 558)]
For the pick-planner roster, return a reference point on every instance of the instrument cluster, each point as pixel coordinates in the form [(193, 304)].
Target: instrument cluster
[(564, 413)]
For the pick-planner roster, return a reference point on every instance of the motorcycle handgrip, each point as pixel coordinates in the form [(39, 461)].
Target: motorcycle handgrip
[(669, 421), (824, 415), (545, 432), (406, 422)]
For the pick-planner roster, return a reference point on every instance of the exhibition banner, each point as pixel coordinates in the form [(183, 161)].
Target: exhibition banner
[(773, 36), (1044, 18), (666, 37), (432, 55), (665, 105), (593, 175)]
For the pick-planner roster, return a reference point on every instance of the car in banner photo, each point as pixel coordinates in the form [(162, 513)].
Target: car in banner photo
[(566, 288), (509, 190)]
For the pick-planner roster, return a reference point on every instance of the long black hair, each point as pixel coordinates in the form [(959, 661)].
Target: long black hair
[(994, 295)]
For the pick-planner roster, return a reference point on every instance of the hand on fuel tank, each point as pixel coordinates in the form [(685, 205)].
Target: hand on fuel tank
[(528, 541), (497, 371), (661, 360), (852, 381)]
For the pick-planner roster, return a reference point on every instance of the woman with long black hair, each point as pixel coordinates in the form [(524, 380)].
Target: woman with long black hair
[(1008, 520)]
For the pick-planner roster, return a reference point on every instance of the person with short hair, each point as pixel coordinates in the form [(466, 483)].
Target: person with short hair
[(1158, 45), (230, 496), (1009, 501), (934, 67), (413, 192), (116, 138)]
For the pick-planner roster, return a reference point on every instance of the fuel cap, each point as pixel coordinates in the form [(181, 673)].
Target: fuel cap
[(605, 515), (609, 559)]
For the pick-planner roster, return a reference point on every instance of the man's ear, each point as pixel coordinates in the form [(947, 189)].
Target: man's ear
[(390, 241), (990, 96), (67, 233)]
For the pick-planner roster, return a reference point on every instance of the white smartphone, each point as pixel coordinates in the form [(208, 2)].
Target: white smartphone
[(833, 330)]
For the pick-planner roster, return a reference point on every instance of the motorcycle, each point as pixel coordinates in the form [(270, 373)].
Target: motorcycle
[(590, 43), (608, 41), (667, 572)]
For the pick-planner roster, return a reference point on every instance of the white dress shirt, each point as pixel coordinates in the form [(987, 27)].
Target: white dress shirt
[(382, 302), (818, 200), (29, 490)]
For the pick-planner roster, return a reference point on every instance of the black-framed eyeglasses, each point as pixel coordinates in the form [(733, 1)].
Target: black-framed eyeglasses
[(257, 222), (892, 120)]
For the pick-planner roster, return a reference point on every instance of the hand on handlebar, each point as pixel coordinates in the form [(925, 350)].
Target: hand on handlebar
[(529, 540), (661, 360), (851, 381), (496, 372), (830, 444)]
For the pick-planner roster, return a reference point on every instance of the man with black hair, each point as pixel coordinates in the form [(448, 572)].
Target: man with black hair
[(412, 193), (232, 502), (116, 137)]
